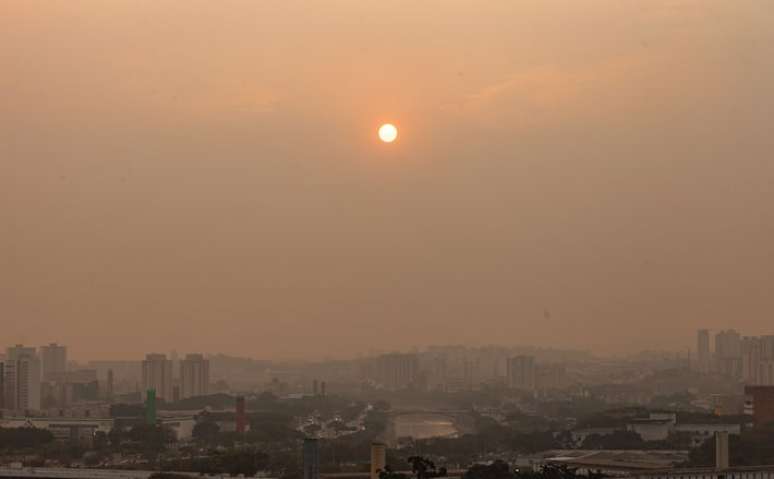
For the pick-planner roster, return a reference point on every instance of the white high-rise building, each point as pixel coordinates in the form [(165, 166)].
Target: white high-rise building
[(194, 376), (21, 379), (53, 358), (157, 375)]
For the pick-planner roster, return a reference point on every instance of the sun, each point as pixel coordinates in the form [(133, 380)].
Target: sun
[(388, 133)]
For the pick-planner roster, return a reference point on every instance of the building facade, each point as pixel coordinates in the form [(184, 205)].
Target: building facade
[(761, 399), (521, 373), (21, 379), (728, 353), (157, 375), (53, 359), (194, 376), (395, 371), (703, 357)]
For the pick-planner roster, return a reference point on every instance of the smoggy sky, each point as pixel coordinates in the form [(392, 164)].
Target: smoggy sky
[(205, 175)]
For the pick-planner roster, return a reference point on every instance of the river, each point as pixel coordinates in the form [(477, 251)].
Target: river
[(423, 425)]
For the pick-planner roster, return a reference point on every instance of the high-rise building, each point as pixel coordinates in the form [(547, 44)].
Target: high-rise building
[(14, 352), (157, 375), (550, 376), (757, 363), (703, 357), (21, 373), (728, 353), (395, 371), (53, 358), (521, 372), (311, 459), (766, 372), (194, 376)]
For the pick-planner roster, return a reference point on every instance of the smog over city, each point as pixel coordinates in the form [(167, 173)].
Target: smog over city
[(360, 239)]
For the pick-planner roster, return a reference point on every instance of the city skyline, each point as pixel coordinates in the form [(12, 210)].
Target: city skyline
[(353, 239)]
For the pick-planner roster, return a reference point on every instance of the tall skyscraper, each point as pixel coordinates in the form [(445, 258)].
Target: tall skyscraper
[(157, 375), (703, 357), (311, 459), (728, 353), (521, 372), (53, 359), (21, 373), (27, 383), (194, 376)]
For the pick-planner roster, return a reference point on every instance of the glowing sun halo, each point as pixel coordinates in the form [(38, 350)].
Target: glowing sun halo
[(388, 133)]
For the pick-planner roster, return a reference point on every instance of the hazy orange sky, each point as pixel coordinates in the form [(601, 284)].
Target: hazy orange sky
[(205, 175)]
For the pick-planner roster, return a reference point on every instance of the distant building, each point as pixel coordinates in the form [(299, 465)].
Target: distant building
[(109, 386), (53, 358), (127, 375), (550, 376), (654, 428), (194, 376), (758, 360), (311, 459), (157, 375), (67, 429), (394, 371), (67, 388), (703, 357), (21, 379), (728, 353), (762, 402), (521, 372)]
